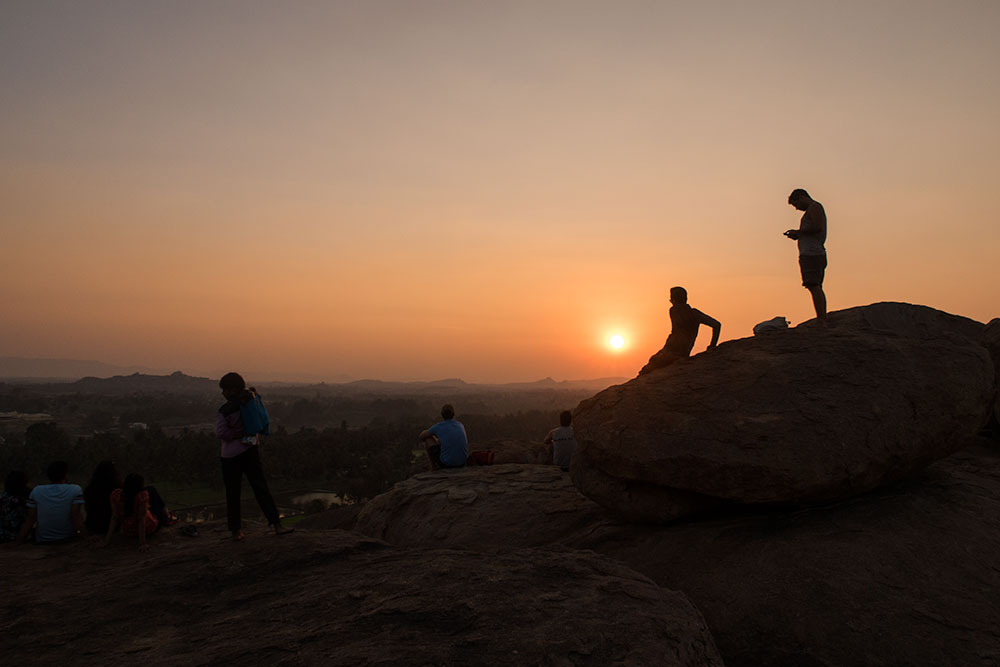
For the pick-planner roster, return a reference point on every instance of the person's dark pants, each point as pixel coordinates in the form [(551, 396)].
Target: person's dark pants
[(233, 469), (157, 506), (662, 359)]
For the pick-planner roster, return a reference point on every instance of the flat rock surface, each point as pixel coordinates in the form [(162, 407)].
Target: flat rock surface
[(481, 506), (336, 598), (804, 415)]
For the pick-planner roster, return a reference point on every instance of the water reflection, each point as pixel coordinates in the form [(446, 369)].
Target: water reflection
[(327, 497)]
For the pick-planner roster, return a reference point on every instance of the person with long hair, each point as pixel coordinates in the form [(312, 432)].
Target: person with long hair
[(13, 505), (240, 456), (97, 496), (138, 509)]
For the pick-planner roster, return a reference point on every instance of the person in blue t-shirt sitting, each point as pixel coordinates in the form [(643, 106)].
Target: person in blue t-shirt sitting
[(446, 442), (56, 508)]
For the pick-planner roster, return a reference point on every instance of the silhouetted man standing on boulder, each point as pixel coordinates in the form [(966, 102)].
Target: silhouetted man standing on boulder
[(811, 237), (684, 323)]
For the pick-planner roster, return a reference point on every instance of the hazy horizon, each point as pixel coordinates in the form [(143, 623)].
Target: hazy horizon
[(487, 191), (40, 369)]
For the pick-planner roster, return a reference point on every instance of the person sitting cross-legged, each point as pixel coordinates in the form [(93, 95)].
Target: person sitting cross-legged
[(446, 442)]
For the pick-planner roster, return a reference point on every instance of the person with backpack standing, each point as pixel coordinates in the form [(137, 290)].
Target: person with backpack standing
[(240, 454)]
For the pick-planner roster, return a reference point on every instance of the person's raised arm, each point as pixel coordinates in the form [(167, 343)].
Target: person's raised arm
[(716, 327)]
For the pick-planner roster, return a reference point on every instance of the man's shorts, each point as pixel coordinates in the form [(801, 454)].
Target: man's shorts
[(813, 268)]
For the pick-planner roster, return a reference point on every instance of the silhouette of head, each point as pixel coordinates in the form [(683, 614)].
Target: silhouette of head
[(800, 199), (678, 296), (105, 477), (447, 411), (232, 384), (565, 418), (58, 471)]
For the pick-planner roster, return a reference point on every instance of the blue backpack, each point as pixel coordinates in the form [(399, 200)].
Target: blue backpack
[(254, 416)]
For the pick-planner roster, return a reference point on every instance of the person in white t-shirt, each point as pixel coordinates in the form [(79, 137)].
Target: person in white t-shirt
[(56, 508), (562, 441)]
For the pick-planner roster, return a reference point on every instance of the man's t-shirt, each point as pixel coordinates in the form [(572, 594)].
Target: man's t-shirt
[(563, 446), (54, 503), (812, 231), (684, 323), (454, 443)]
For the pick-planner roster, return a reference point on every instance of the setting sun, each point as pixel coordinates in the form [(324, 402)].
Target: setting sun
[(616, 341)]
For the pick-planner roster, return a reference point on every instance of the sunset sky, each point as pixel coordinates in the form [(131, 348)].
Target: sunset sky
[(484, 190)]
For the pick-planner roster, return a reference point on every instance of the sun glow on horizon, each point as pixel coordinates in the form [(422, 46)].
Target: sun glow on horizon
[(617, 341)]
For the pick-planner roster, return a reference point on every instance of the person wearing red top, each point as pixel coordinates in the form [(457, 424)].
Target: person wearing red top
[(138, 509)]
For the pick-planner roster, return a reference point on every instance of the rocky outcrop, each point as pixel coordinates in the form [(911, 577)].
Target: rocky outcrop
[(481, 506), (807, 415), (335, 598), (991, 339), (903, 575), (506, 450), (338, 517)]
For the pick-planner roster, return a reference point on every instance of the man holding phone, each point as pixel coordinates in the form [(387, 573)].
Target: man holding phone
[(811, 237)]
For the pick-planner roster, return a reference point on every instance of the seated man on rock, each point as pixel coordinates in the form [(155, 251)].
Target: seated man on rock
[(446, 442), (684, 323), (56, 508), (562, 441)]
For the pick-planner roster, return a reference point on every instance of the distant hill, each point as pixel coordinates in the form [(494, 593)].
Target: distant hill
[(181, 383), (21, 368), (175, 383)]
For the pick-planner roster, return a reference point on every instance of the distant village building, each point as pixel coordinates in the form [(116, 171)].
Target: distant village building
[(138, 426)]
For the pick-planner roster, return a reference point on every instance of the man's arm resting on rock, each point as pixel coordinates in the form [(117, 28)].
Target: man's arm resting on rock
[(716, 328)]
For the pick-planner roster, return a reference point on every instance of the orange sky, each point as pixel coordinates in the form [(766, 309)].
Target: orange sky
[(483, 190)]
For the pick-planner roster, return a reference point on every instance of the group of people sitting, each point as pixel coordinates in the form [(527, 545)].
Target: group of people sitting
[(61, 512), (447, 443)]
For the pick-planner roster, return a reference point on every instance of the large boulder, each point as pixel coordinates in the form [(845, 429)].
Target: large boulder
[(482, 506), (805, 415), (904, 575), (334, 598), (991, 339)]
